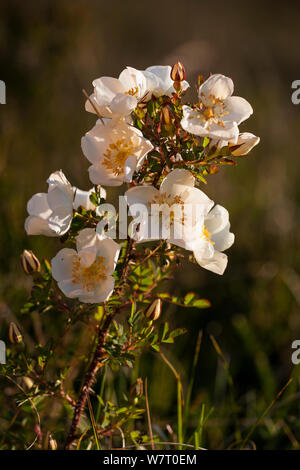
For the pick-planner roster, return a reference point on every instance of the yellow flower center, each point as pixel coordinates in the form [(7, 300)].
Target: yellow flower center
[(206, 235), (208, 113), (89, 276), (132, 92), (213, 113), (164, 198), (117, 154)]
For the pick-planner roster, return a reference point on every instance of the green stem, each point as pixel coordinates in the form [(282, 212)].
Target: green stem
[(179, 413), (101, 393)]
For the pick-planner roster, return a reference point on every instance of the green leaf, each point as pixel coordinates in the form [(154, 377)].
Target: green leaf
[(206, 141), (188, 298), (201, 303), (94, 199)]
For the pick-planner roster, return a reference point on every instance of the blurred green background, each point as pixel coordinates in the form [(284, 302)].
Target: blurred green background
[(49, 51)]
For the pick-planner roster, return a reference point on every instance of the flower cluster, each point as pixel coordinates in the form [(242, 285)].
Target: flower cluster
[(147, 138)]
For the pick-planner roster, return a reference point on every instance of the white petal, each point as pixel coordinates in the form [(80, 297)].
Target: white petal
[(36, 226), (185, 85), (60, 200), (160, 82), (192, 122), (88, 106), (108, 87), (110, 250), (82, 198), (62, 263), (217, 86), (162, 72), (87, 258), (70, 289), (95, 142), (191, 237), (99, 175), (129, 169), (102, 193), (217, 264), (204, 249), (178, 176), (223, 239), (87, 239), (101, 294), (153, 84), (105, 90), (217, 219), (60, 221), (182, 243), (244, 144), (227, 131), (238, 109), (140, 195), (131, 79), (193, 196), (59, 179), (38, 205), (123, 104)]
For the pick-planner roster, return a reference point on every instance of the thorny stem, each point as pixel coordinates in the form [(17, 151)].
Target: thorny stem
[(128, 253), (93, 106), (88, 380), (97, 358), (148, 256)]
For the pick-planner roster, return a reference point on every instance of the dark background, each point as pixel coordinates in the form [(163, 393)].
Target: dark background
[(49, 51)]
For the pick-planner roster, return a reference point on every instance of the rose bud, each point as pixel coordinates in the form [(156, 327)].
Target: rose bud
[(49, 442), (52, 443), (178, 72), (27, 382), (246, 141), (29, 262), (153, 312), (137, 388), (14, 334), (165, 116)]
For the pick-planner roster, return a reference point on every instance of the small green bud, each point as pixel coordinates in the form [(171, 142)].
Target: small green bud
[(136, 390), (153, 312), (165, 116), (29, 262), (27, 382), (49, 442), (14, 334)]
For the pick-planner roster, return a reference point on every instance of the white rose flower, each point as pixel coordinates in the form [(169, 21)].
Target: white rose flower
[(116, 150), (219, 113), (86, 273), (240, 146), (215, 237), (51, 213), (118, 96), (244, 144), (159, 81), (115, 97), (183, 208)]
